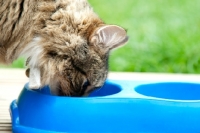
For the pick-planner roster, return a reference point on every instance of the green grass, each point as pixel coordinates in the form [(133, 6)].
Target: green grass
[(16, 64), (164, 34)]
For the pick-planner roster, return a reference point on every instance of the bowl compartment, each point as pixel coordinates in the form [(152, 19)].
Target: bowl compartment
[(170, 90)]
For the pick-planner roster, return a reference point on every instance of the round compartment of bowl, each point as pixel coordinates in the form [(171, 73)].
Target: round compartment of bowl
[(106, 90), (171, 90)]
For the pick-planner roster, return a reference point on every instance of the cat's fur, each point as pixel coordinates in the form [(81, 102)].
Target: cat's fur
[(66, 43)]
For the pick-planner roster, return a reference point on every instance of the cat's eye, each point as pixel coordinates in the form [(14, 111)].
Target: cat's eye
[(52, 53), (65, 57)]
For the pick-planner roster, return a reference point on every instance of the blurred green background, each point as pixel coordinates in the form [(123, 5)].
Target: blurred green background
[(164, 35)]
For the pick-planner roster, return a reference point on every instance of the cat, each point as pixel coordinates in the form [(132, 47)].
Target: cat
[(65, 42)]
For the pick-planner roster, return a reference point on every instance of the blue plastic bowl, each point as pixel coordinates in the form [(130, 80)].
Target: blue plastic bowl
[(120, 106)]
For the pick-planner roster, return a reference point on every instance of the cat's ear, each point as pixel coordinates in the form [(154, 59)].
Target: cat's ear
[(111, 36), (34, 78)]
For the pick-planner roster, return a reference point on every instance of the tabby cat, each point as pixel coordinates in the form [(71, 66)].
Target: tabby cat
[(66, 44)]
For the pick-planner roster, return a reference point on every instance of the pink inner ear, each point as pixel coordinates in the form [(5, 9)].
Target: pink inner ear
[(112, 36)]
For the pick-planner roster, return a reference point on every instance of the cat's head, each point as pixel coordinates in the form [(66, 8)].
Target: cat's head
[(73, 66)]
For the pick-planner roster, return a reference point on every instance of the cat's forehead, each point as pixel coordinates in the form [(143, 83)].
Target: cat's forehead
[(76, 47), (63, 41), (73, 39), (73, 44)]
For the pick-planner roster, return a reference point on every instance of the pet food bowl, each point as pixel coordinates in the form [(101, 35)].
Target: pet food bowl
[(120, 106)]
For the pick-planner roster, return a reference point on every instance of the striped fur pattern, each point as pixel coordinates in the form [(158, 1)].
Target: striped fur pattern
[(66, 44)]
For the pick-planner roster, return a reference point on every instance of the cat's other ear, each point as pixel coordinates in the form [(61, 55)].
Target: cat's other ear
[(110, 36), (34, 78)]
